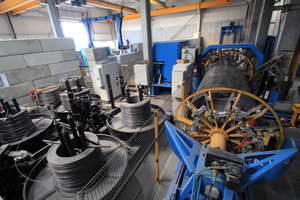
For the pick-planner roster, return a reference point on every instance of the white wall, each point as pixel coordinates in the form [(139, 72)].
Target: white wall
[(212, 19), (36, 24)]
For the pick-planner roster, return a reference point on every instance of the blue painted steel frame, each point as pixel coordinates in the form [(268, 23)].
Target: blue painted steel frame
[(230, 29), (118, 18), (257, 54), (259, 167)]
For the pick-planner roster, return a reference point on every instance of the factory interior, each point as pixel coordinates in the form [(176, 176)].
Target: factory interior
[(149, 99)]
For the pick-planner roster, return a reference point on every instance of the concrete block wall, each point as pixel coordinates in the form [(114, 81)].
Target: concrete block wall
[(31, 63)]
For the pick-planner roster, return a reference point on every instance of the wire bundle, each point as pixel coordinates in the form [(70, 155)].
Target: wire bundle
[(71, 174), (49, 96), (14, 127), (65, 99), (135, 114), (72, 81)]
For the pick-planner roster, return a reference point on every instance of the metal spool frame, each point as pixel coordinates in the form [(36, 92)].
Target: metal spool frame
[(212, 127), (45, 189)]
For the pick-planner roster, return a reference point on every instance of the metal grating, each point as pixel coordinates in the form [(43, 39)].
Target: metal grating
[(113, 179)]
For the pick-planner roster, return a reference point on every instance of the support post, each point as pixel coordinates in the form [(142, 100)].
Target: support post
[(54, 19), (291, 73), (189, 85), (146, 34), (156, 145), (182, 98)]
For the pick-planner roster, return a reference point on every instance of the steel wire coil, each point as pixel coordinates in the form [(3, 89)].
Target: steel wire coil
[(135, 113), (49, 96), (14, 127), (71, 174), (72, 81), (65, 99)]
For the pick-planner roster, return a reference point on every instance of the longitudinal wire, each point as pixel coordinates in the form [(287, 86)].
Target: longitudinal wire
[(16, 126), (49, 96), (135, 114), (71, 174)]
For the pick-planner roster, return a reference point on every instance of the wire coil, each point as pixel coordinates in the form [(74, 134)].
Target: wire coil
[(49, 96), (135, 113), (65, 99), (72, 81), (71, 174), (14, 127)]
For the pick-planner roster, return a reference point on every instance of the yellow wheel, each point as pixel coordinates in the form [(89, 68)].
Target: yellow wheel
[(227, 119)]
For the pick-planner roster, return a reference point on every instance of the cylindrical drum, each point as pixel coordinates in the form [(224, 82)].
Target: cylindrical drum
[(135, 113), (65, 99)]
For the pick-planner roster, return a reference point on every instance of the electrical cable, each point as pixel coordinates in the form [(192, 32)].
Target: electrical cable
[(135, 114), (71, 174), (198, 175), (14, 127), (49, 96), (211, 186)]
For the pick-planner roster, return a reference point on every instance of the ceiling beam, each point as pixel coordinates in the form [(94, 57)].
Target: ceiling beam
[(158, 3), (26, 7), (9, 5), (196, 6), (111, 6)]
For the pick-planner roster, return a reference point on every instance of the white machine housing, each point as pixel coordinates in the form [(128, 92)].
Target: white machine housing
[(180, 73), (190, 53), (100, 85), (141, 74)]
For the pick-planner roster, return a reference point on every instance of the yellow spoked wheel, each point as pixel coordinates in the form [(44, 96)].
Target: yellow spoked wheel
[(231, 123), (237, 57)]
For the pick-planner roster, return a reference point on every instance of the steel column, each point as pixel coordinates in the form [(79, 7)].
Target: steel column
[(10, 26), (146, 34), (54, 18), (257, 4), (263, 24), (291, 73)]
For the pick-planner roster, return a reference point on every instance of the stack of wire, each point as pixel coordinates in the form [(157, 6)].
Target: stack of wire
[(16, 123), (135, 113), (50, 96), (72, 81), (78, 95)]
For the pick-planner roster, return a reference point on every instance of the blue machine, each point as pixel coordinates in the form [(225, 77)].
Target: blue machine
[(118, 18), (226, 144), (229, 30), (191, 183), (165, 55)]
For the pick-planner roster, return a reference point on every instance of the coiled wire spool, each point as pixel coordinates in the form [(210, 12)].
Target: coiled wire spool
[(71, 174), (72, 81), (49, 96), (16, 126), (135, 113), (65, 99)]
